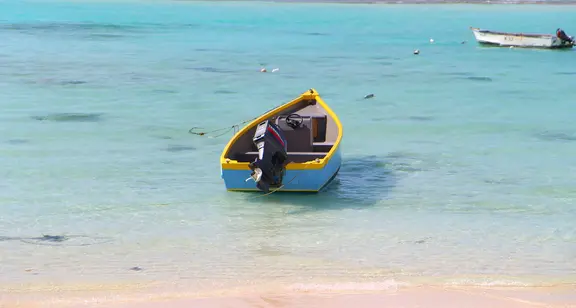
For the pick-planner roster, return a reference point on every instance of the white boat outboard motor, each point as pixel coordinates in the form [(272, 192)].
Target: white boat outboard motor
[(269, 168), (565, 38)]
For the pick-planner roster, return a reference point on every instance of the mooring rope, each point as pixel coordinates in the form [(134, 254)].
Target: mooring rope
[(277, 189), (235, 127), (226, 129)]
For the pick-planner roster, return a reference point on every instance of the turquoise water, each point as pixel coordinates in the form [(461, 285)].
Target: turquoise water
[(460, 170)]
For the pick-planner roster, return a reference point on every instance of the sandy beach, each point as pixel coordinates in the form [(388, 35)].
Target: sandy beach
[(416, 297), (421, 296)]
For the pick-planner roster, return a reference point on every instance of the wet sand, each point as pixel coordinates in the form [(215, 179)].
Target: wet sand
[(425, 296)]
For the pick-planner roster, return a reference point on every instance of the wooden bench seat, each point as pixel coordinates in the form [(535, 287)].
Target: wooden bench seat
[(322, 146)]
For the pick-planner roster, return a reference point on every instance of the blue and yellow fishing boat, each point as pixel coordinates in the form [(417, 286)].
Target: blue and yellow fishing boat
[(294, 147)]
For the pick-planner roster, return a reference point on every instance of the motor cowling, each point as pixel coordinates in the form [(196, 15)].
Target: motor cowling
[(269, 167), (563, 36)]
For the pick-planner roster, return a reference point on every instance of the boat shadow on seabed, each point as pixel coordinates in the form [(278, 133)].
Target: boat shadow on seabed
[(361, 182)]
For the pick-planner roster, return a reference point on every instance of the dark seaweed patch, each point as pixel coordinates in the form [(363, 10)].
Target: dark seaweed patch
[(291, 76), (65, 26), (500, 181), (70, 117), (555, 136), (50, 81), (317, 34), (72, 82), (224, 92), (83, 30), (179, 148), (420, 241), (421, 118), (58, 240), (56, 27), (164, 91), (163, 137), (479, 78), (188, 25), (210, 69), (17, 141)]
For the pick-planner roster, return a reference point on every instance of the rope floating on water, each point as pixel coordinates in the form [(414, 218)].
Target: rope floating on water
[(235, 127)]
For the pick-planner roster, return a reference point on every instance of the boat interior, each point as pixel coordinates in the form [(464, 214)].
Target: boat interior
[(313, 138)]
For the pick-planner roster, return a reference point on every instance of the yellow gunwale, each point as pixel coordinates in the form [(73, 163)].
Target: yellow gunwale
[(228, 164)]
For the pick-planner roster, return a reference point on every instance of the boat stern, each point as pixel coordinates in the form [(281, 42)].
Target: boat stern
[(299, 177)]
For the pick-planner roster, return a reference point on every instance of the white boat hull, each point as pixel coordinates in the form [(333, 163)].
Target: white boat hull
[(519, 40)]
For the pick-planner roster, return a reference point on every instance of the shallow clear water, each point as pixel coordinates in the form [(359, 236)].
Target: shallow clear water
[(460, 170)]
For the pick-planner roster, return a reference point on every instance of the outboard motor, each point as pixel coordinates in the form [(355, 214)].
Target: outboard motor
[(562, 35), (269, 168)]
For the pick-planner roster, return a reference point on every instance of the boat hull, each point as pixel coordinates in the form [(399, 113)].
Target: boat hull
[(295, 180), (503, 39)]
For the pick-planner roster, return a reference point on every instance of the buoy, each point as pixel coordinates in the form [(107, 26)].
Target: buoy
[(275, 70), (431, 40), (368, 96), (263, 70), (416, 52)]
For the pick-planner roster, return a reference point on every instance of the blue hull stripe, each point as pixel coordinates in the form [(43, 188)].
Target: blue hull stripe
[(294, 180)]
